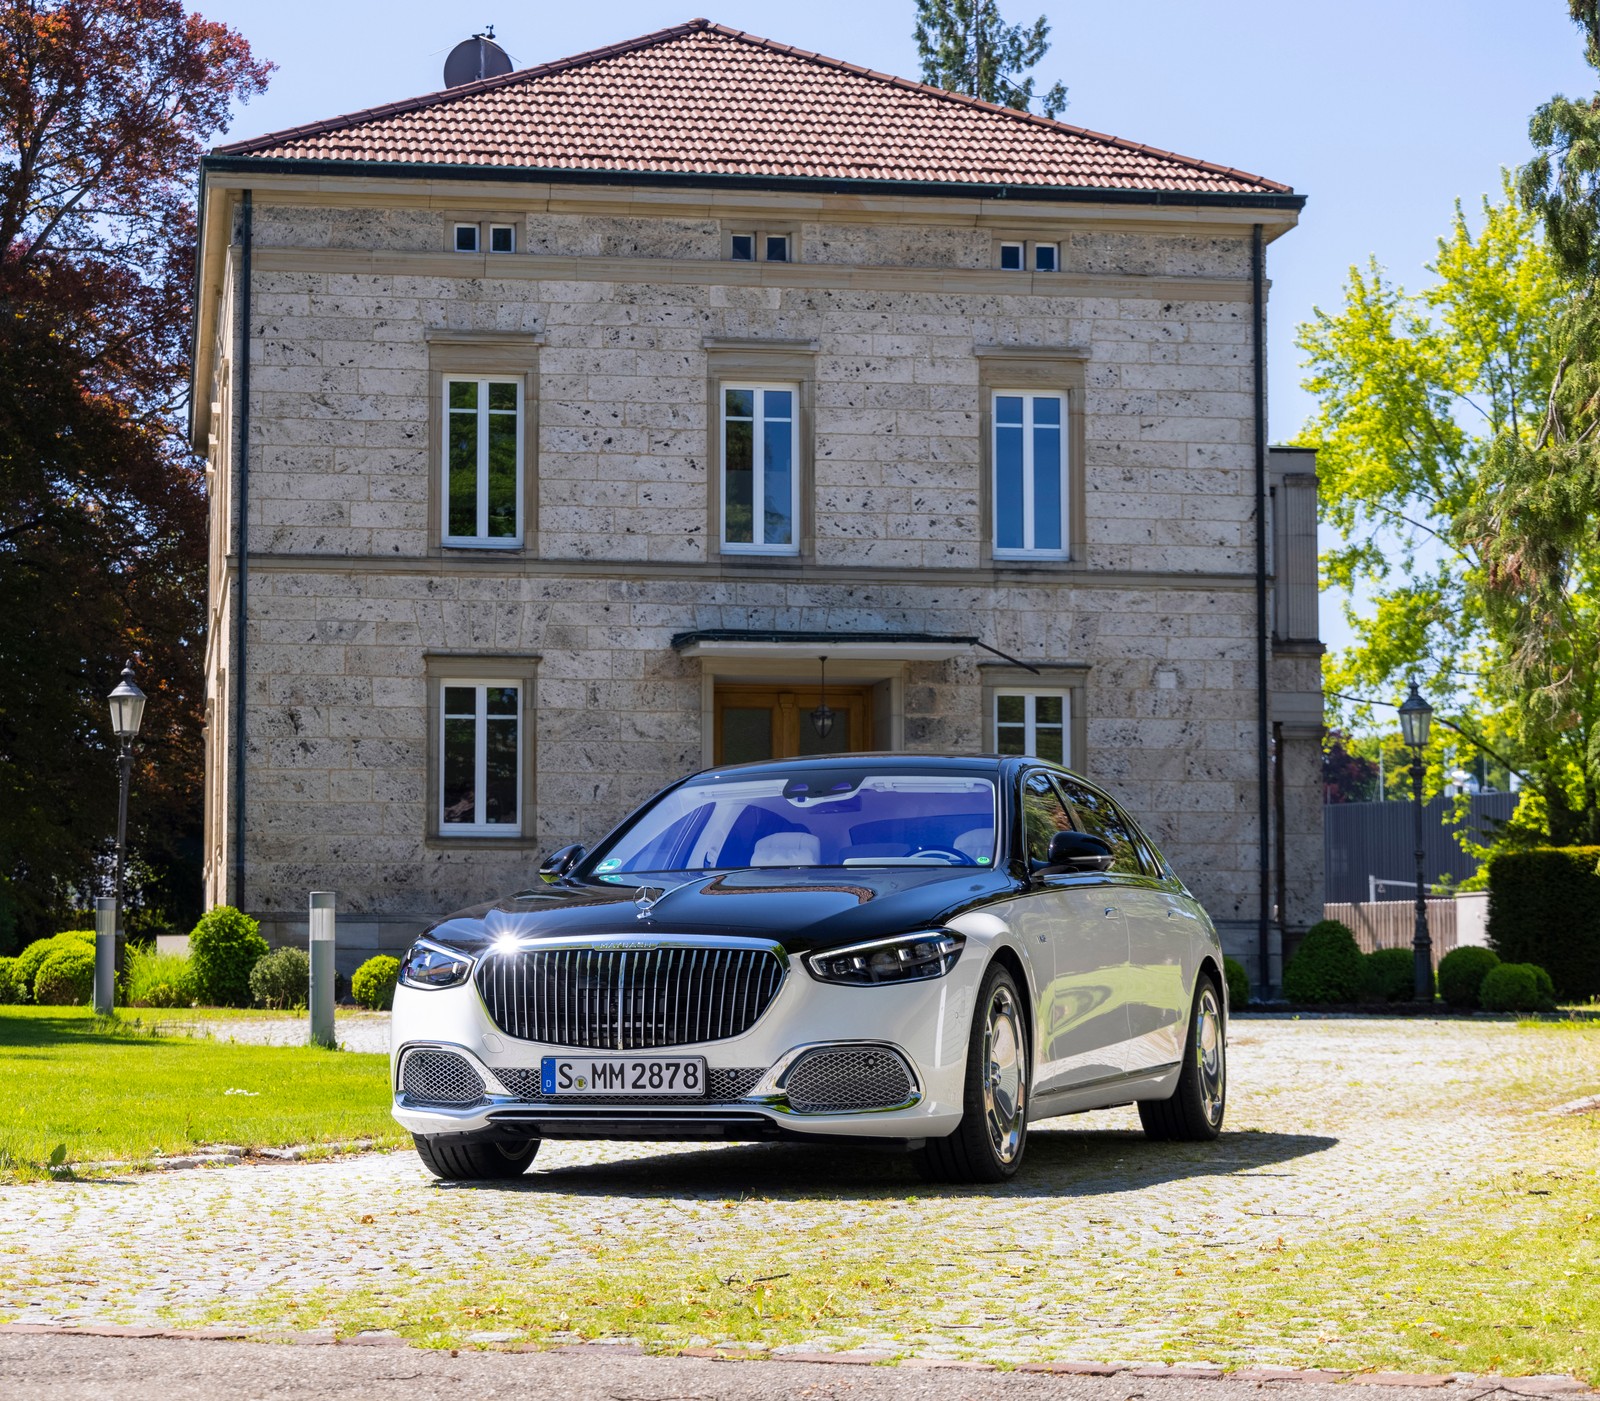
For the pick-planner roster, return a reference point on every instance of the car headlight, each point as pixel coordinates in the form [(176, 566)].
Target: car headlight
[(907, 959), (429, 966)]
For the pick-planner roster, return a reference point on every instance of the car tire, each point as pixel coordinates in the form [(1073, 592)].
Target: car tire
[(1194, 1112), (465, 1161), (989, 1143)]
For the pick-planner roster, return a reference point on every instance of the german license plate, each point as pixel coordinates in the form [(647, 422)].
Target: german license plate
[(622, 1075)]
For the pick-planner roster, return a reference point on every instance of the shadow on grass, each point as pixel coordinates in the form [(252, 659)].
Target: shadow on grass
[(1060, 1163)]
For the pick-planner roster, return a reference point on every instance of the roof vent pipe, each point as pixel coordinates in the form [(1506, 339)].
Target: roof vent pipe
[(476, 58)]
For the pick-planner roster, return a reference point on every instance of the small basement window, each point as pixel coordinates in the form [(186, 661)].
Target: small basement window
[(466, 238), (1012, 256), (777, 248), (743, 248), (502, 238), (1044, 257)]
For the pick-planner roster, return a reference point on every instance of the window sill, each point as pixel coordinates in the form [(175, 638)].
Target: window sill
[(478, 841), (503, 546)]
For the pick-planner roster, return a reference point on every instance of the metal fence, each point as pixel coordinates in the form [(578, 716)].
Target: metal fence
[(1390, 924), (1362, 841)]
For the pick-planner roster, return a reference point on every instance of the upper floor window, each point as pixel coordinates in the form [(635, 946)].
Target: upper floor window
[(1033, 722), (466, 238), (1015, 256), (760, 486), (502, 238), (760, 245), (1030, 469), (483, 461), (480, 768)]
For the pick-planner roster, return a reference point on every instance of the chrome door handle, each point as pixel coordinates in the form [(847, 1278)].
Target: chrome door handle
[(1110, 911)]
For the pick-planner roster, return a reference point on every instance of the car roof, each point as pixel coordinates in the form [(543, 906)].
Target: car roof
[(892, 762)]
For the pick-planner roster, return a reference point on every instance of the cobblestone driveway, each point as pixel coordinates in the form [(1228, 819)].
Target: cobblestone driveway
[(1334, 1126)]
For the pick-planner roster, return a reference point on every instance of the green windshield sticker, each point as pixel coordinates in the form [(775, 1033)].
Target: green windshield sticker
[(983, 860), (609, 864)]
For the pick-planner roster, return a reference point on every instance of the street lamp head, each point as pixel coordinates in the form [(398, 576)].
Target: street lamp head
[(127, 706), (1416, 715)]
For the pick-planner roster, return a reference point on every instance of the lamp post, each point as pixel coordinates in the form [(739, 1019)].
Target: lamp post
[(1416, 715), (127, 710)]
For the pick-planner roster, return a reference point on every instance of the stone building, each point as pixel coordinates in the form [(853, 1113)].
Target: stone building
[(560, 423)]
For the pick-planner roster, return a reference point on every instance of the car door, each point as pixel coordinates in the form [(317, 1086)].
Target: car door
[(1160, 931), (1071, 922)]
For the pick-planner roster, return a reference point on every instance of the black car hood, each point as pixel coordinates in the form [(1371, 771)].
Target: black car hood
[(801, 909)]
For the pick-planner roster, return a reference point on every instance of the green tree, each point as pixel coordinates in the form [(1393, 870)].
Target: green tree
[(105, 108), (1418, 396), (966, 46)]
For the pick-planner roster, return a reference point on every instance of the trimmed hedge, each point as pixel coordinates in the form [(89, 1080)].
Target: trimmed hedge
[(1544, 909), (373, 983), (32, 958), (282, 979), (1327, 967), (1391, 975), (224, 947), (66, 978), (1461, 975), (1518, 987), (1238, 983), (13, 990)]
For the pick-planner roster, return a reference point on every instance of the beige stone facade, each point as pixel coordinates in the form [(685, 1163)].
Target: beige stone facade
[(620, 312)]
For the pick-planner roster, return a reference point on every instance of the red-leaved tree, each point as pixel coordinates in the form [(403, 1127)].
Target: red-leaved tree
[(105, 109)]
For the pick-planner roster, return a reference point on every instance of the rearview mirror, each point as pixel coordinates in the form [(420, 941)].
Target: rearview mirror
[(1070, 852), (558, 863)]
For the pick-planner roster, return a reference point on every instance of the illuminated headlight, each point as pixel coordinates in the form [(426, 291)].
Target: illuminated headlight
[(428, 966), (908, 959)]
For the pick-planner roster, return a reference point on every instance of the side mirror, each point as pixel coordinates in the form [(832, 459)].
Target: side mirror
[(1071, 852), (558, 863)]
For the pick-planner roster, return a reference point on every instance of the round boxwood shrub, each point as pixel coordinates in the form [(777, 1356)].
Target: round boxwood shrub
[(1461, 974), (224, 947), (282, 979), (32, 958), (373, 983), (66, 978), (1517, 987), (1238, 982), (12, 989), (1327, 967), (1391, 975)]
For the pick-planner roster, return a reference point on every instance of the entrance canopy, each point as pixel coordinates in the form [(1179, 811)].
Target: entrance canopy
[(757, 645)]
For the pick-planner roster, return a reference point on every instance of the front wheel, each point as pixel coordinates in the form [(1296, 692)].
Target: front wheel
[(1194, 1112), (461, 1160), (988, 1144)]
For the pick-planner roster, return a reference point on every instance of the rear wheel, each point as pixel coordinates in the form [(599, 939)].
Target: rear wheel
[(988, 1144), (1194, 1112), (462, 1160)]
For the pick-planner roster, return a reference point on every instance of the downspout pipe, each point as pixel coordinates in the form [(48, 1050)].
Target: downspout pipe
[(1258, 339), (241, 384)]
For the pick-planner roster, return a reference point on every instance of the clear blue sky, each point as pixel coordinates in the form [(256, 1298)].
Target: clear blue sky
[(1382, 111)]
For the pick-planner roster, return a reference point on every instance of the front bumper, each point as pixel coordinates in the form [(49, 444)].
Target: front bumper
[(926, 1024)]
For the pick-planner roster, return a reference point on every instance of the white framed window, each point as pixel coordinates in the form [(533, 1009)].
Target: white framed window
[(1013, 256), (480, 758), (1030, 475), (760, 483), (1045, 257), (761, 245), (1018, 255), (482, 461), (466, 238), (1036, 722), (502, 238)]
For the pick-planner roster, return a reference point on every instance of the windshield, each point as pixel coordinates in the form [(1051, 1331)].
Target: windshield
[(814, 817)]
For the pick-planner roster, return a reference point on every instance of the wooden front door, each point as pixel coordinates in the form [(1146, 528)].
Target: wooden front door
[(774, 722)]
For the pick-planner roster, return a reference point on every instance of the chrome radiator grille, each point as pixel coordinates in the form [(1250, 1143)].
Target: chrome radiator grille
[(604, 999)]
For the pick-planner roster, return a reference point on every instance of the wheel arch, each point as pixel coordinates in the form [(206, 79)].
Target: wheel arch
[(1009, 959), (1211, 966)]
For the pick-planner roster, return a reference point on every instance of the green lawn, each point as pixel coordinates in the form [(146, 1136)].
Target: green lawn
[(116, 1092)]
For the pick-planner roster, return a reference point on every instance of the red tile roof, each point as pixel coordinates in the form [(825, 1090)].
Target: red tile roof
[(701, 99)]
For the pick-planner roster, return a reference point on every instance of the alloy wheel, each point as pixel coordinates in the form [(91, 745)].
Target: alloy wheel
[(1211, 1056), (1005, 1074)]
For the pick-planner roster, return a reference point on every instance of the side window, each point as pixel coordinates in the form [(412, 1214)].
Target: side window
[(482, 461), (480, 783), (1043, 815), (1099, 815), (759, 483), (1030, 487)]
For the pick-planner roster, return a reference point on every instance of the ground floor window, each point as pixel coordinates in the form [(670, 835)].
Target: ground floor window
[(1033, 722), (480, 778)]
